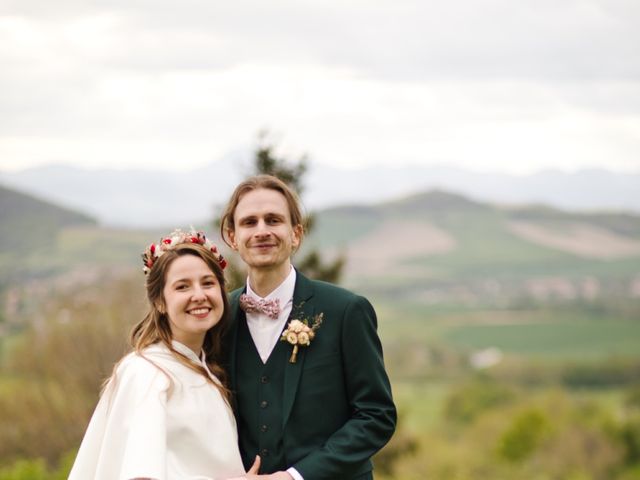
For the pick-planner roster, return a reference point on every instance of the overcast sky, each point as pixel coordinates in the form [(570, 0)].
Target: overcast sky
[(504, 85)]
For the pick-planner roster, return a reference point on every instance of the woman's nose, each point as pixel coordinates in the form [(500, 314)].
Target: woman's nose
[(198, 293)]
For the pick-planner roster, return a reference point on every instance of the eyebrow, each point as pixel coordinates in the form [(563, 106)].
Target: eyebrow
[(188, 280)]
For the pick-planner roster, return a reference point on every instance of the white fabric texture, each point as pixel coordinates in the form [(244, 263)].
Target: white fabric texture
[(147, 426)]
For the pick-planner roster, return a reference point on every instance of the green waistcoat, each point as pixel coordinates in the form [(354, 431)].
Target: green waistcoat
[(259, 394)]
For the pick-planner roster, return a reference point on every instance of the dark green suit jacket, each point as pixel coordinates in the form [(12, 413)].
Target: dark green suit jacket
[(337, 408)]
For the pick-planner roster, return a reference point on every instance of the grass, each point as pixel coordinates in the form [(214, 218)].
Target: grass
[(568, 333), (89, 246), (420, 404), (556, 339)]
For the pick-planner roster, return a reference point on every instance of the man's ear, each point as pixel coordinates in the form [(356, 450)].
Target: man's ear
[(298, 231), (231, 235)]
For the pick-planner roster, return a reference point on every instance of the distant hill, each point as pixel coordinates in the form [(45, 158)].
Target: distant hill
[(437, 244), (431, 247), (27, 222), (157, 198)]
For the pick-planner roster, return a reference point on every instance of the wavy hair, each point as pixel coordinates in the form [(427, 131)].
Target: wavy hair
[(155, 326)]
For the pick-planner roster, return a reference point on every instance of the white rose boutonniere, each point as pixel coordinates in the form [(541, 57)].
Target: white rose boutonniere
[(299, 333)]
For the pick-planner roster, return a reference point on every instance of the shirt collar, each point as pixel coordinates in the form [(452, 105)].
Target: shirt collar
[(283, 292), (187, 352)]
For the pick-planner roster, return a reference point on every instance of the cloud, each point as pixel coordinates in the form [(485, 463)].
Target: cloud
[(465, 81), (405, 40)]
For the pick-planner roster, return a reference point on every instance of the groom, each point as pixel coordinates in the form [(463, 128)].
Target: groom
[(321, 413)]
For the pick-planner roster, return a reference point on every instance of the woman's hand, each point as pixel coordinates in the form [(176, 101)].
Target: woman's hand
[(272, 476), (253, 471), (255, 468), (252, 474)]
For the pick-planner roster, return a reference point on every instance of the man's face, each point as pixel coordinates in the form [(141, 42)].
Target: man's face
[(264, 236)]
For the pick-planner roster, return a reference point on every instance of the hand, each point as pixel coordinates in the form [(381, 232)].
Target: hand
[(255, 468), (272, 476), (253, 471)]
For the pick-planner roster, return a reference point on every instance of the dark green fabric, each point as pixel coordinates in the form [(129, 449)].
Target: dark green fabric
[(259, 394), (336, 403)]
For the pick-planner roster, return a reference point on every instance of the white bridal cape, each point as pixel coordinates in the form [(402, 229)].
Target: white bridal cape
[(143, 429)]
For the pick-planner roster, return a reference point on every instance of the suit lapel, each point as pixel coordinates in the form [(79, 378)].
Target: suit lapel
[(302, 308)]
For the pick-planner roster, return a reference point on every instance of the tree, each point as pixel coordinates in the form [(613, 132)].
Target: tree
[(265, 161)]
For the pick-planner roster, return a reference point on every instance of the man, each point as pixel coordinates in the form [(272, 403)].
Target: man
[(321, 412)]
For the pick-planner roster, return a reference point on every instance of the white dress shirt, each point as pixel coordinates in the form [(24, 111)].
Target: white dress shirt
[(146, 426), (266, 331)]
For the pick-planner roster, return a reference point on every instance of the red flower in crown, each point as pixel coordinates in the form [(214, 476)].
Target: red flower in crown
[(155, 251)]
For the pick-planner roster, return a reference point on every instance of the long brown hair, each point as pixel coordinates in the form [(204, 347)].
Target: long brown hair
[(155, 328), (268, 182)]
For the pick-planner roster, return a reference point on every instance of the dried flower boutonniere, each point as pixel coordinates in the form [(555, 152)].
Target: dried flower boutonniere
[(299, 333)]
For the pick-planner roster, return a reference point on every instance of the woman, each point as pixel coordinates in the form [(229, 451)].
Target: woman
[(164, 414)]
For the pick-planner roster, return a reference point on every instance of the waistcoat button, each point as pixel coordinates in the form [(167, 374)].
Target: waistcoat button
[(264, 428), (264, 379), (264, 404)]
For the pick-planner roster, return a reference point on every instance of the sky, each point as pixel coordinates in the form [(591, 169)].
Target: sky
[(489, 85)]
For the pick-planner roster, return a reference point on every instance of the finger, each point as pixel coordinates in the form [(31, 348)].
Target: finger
[(256, 466)]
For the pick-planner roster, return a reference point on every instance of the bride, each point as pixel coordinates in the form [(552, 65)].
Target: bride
[(164, 413)]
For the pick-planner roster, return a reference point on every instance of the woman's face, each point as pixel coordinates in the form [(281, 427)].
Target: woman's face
[(193, 300)]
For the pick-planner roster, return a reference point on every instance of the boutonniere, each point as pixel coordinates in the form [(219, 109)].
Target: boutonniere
[(299, 334)]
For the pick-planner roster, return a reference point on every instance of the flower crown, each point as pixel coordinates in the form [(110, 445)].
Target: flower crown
[(156, 250)]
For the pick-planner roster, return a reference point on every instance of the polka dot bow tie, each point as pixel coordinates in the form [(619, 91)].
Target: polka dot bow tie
[(270, 308)]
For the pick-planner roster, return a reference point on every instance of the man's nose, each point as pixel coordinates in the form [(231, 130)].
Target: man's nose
[(263, 228)]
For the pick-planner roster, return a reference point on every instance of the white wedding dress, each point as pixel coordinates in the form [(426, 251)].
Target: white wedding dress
[(148, 427)]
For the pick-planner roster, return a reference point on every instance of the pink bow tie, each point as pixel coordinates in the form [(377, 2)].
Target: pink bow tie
[(270, 308)]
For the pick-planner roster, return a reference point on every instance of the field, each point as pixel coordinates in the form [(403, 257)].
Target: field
[(553, 334)]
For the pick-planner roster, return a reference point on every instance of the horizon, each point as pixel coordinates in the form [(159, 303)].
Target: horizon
[(4, 169), (196, 195)]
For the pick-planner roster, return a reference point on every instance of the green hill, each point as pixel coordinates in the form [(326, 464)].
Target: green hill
[(27, 222), (435, 246), (437, 242)]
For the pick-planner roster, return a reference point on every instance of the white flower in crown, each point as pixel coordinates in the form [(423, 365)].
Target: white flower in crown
[(155, 251)]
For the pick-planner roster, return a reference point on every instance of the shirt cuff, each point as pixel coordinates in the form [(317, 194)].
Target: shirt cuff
[(294, 473)]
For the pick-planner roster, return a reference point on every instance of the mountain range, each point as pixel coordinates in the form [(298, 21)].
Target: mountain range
[(160, 198), (433, 247)]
